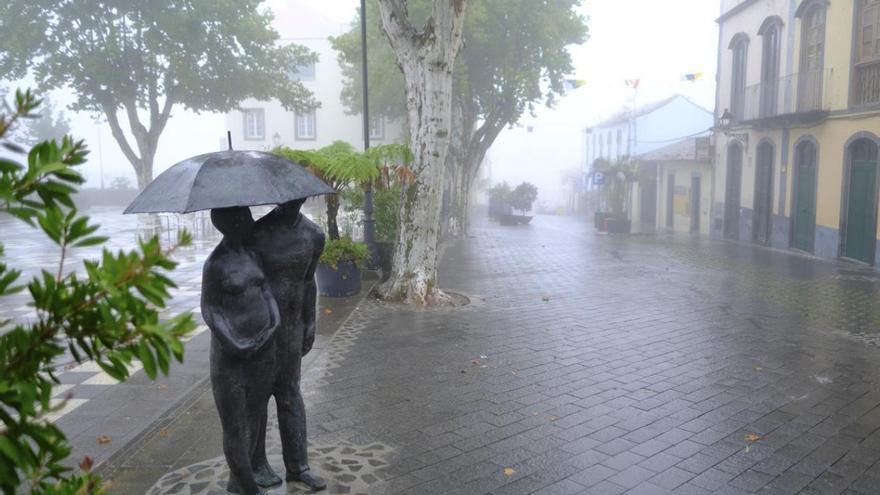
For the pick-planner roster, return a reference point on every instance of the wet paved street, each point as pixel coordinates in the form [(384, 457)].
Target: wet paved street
[(600, 364)]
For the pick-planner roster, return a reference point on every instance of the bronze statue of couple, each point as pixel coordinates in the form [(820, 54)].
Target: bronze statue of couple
[(259, 299)]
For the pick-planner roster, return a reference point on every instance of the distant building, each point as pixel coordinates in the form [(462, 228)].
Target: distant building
[(632, 133), (682, 198), (637, 131), (798, 106), (263, 125)]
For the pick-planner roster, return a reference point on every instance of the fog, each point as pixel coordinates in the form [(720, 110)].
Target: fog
[(658, 46)]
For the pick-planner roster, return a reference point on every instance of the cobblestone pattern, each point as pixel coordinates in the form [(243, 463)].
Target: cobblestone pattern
[(603, 364)]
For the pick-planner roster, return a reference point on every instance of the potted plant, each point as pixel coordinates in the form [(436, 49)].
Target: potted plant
[(521, 198), (499, 200), (619, 176), (339, 269), (392, 162), (343, 168)]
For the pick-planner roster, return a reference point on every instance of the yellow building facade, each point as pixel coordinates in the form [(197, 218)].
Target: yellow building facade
[(798, 126)]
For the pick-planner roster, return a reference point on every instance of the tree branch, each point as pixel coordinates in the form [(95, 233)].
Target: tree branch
[(118, 134)]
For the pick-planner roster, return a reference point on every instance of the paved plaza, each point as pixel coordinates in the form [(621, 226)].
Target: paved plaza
[(585, 363)]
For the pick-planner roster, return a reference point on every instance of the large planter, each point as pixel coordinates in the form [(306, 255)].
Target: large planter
[(385, 257), (514, 219), (617, 225), (343, 281), (498, 210)]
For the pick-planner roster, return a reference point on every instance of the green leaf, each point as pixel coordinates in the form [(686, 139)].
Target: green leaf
[(9, 166), (91, 241), (147, 359), (9, 449)]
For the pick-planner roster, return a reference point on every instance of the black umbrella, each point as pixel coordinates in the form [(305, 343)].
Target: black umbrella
[(227, 178)]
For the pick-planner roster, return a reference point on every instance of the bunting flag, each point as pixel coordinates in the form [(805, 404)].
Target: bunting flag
[(632, 83), (692, 77), (573, 84)]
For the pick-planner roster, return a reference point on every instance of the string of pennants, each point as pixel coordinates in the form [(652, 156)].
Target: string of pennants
[(573, 84)]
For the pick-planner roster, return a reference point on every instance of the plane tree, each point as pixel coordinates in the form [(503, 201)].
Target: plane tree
[(134, 62)]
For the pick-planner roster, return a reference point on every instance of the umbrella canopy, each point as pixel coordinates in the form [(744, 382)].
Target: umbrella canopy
[(227, 178)]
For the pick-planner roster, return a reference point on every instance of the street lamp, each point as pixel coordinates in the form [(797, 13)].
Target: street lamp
[(726, 119), (369, 222)]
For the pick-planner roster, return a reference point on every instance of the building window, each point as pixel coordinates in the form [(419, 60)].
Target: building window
[(254, 124), (608, 142), (304, 72), (377, 127), (619, 143), (812, 63), (769, 91), (866, 76), (740, 47), (305, 125)]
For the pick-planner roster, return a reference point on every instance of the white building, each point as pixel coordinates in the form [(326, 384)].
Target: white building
[(644, 129), (262, 125)]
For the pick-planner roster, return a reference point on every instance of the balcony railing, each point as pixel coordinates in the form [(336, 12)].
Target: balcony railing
[(866, 84), (803, 93)]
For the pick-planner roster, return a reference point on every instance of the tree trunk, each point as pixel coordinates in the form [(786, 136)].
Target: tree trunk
[(426, 58), (332, 211)]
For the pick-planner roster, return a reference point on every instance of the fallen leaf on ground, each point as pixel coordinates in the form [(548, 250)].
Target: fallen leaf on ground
[(509, 471), (162, 386), (86, 463), (328, 311), (475, 362), (751, 437), (553, 418), (758, 368), (104, 439), (163, 432), (464, 371), (546, 298)]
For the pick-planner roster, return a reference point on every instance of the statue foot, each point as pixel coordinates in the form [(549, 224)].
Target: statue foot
[(316, 483), (232, 486), (266, 477)]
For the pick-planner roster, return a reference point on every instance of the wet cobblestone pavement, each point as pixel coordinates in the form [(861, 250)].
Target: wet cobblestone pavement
[(607, 364)]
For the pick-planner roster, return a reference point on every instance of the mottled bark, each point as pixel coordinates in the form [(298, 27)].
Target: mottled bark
[(426, 58)]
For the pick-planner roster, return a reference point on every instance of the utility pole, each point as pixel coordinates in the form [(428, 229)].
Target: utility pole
[(369, 222)]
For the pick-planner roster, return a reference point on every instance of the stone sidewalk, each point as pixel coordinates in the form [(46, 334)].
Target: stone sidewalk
[(585, 364)]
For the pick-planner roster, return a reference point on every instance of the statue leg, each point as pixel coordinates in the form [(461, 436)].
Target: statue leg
[(230, 397), (263, 473), (292, 423)]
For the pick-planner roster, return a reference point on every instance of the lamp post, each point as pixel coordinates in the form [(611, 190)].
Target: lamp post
[(369, 222)]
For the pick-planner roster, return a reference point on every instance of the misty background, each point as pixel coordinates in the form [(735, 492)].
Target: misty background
[(657, 46)]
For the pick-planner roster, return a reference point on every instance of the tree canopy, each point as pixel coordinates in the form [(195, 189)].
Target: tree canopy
[(140, 59), (514, 56)]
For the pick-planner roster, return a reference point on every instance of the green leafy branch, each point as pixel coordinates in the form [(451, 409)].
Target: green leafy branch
[(109, 313)]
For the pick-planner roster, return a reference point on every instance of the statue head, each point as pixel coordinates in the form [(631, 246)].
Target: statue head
[(234, 223)]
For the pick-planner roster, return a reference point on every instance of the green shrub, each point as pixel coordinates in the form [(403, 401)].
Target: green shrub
[(108, 313), (344, 249)]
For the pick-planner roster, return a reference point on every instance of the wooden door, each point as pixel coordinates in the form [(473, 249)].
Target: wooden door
[(805, 197), (763, 194), (695, 204), (861, 211), (732, 191)]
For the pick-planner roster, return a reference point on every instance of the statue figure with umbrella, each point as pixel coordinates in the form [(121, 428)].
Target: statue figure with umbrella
[(259, 299)]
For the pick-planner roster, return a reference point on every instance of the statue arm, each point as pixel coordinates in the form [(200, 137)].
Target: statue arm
[(212, 312), (310, 298)]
